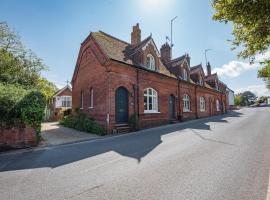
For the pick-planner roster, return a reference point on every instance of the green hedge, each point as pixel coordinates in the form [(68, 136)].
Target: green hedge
[(18, 105), (83, 123)]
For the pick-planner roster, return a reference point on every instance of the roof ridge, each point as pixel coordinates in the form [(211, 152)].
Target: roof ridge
[(113, 37)]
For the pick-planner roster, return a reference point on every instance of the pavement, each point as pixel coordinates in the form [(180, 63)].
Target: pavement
[(55, 134), (223, 157)]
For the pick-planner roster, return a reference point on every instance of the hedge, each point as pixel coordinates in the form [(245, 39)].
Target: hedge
[(18, 105), (83, 123)]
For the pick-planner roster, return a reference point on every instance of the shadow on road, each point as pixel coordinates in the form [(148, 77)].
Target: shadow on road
[(132, 145)]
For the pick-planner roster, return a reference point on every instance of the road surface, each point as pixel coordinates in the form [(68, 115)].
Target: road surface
[(224, 157)]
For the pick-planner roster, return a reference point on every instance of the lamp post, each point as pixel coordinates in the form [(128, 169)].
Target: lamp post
[(171, 33)]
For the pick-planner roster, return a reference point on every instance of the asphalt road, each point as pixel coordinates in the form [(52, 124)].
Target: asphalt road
[(225, 157)]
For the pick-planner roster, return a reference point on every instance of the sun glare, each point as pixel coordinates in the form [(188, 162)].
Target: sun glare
[(155, 5)]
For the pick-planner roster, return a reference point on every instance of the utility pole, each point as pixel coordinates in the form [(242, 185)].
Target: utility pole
[(171, 33), (205, 51)]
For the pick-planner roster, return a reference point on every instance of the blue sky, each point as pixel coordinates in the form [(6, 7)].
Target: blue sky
[(54, 30)]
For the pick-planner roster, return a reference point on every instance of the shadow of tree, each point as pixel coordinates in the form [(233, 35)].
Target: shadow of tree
[(136, 145)]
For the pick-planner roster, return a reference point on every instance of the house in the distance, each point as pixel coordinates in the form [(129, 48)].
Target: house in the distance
[(61, 101), (230, 99), (114, 81)]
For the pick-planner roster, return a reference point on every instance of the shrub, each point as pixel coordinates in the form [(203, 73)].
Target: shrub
[(32, 108), (18, 105), (10, 96), (83, 123)]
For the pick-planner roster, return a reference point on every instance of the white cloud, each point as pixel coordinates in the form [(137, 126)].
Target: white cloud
[(235, 68), (259, 90)]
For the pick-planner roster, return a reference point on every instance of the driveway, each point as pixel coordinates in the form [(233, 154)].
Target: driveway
[(54, 134), (219, 158)]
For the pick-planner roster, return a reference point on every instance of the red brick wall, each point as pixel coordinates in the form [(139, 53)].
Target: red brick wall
[(17, 137), (91, 74)]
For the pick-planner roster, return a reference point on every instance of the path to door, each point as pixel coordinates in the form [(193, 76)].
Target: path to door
[(55, 134)]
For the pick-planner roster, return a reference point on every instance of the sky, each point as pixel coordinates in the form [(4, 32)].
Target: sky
[(54, 30)]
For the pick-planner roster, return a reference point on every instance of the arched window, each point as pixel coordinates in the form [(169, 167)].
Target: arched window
[(186, 103), (150, 62), (200, 81), (217, 104), (150, 100), (202, 104), (91, 98), (81, 100), (185, 75)]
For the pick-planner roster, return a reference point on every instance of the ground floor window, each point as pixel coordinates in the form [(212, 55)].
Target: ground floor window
[(150, 100), (91, 98), (218, 105), (202, 104), (186, 103)]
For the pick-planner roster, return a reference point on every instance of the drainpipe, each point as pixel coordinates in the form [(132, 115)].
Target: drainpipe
[(179, 101), (196, 103), (138, 103)]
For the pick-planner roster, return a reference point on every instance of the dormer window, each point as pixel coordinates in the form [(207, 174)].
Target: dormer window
[(200, 81), (150, 62), (185, 75)]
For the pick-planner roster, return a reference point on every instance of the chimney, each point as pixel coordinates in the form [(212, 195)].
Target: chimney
[(136, 35), (208, 69), (165, 52)]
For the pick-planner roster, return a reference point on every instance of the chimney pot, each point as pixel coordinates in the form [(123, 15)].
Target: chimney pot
[(165, 52), (136, 35)]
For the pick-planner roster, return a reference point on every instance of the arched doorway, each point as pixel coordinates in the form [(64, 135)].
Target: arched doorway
[(171, 107), (121, 105)]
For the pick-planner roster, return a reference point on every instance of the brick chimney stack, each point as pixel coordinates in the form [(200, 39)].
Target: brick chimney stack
[(165, 52), (136, 35), (208, 69)]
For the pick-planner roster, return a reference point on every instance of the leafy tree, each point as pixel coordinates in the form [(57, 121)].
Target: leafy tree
[(246, 98), (251, 28), (262, 99), (21, 66)]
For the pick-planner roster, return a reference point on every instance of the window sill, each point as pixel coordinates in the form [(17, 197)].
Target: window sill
[(90, 108), (187, 111), (151, 112), (81, 108)]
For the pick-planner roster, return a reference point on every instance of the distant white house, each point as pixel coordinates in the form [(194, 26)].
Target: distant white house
[(230, 98), (61, 101)]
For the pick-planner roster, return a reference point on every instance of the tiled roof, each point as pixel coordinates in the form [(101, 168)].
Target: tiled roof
[(112, 47), (120, 50)]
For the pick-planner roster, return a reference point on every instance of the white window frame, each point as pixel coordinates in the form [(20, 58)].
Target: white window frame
[(186, 103), (200, 81), (150, 62), (151, 95), (81, 100), (91, 98), (217, 105), (185, 74), (202, 104), (65, 100)]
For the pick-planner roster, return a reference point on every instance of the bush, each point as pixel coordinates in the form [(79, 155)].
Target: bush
[(32, 108), (10, 96), (18, 105), (83, 123)]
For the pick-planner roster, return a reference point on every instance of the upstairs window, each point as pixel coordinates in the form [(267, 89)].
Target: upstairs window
[(66, 101), (150, 62), (91, 98), (186, 103), (202, 104), (218, 105), (185, 75), (200, 81), (150, 100), (81, 100)]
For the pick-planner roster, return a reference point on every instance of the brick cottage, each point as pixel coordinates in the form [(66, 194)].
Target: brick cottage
[(114, 80)]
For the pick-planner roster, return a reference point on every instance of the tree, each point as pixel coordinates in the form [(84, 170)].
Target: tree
[(21, 66), (251, 28), (246, 98)]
